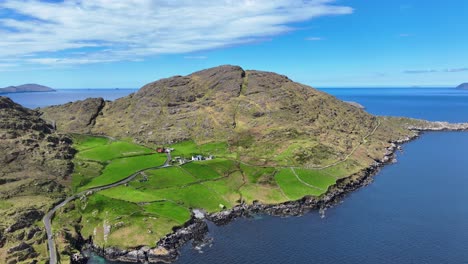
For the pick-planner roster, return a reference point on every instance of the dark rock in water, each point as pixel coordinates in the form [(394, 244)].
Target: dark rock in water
[(31, 87), (463, 86), (78, 258), (166, 250)]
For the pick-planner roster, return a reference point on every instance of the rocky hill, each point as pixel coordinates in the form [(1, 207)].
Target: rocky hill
[(265, 117), (31, 87), (34, 164), (463, 86)]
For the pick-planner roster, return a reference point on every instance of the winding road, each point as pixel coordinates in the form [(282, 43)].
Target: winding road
[(48, 217)]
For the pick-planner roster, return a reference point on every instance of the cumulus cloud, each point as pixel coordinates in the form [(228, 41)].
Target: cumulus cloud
[(90, 31)]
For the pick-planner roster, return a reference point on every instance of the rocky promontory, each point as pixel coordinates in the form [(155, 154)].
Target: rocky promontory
[(463, 86)]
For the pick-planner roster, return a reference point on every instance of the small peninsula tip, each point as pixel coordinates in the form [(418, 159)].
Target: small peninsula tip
[(463, 86), (31, 87)]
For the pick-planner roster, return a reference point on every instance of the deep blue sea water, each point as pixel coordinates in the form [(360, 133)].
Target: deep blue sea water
[(435, 104), (414, 212)]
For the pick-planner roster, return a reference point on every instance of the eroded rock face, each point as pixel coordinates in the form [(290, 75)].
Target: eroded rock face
[(34, 162), (25, 219), (77, 117)]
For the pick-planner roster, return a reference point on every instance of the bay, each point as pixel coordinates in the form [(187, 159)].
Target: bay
[(414, 212)]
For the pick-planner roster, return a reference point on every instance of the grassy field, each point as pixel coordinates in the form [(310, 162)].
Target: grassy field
[(292, 187), (159, 199), (83, 142), (101, 161), (114, 150), (120, 169)]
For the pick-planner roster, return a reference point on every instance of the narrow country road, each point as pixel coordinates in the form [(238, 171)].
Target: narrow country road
[(48, 217)]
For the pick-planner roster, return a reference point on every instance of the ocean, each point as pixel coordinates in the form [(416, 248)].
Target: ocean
[(414, 212)]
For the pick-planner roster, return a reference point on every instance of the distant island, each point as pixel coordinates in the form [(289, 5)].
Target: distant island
[(31, 87), (463, 86)]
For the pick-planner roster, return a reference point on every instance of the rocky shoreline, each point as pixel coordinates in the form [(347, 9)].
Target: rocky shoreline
[(167, 250)]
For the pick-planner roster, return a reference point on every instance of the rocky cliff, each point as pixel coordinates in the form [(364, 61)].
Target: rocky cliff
[(34, 165)]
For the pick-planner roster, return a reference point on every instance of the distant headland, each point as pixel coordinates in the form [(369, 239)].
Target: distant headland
[(26, 88), (463, 86)]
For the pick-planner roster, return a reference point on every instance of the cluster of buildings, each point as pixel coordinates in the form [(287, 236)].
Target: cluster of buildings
[(182, 160), (164, 150)]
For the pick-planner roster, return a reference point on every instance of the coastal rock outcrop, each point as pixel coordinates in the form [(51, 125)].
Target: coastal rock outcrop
[(34, 164)]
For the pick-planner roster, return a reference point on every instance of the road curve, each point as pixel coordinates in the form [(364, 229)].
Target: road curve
[(49, 215)]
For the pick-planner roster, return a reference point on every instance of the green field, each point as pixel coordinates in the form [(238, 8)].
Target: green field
[(292, 187), (120, 169), (113, 150), (158, 199), (83, 142), (101, 161)]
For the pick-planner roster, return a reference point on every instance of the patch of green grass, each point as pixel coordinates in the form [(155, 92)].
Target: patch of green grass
[(185, 149), (264, 194), (120, 169), (316, 178), (163, 178), (129, 194), (5, 205), (126, 220), (112, 151), (222, 166), (169, 210), (227, 188), (84, 172), (261, 175), (218, 149), (292, 187), (343, 169), (188, 148), (82, 142), (201, 171), (193, 196)]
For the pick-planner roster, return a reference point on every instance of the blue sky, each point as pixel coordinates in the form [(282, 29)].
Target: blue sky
[(322, 43)]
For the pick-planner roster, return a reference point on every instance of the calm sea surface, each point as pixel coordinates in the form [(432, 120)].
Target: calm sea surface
[(62, 96), (415, 211)]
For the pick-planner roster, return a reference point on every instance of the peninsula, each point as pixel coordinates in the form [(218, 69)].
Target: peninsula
[(26, 88), (136, 178), (463, 86)]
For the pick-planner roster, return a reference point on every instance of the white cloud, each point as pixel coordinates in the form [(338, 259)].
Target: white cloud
[(405, 35), (90, 31), (420, 71), (449, 70), (314, 38), (456, 70), (199, 57)]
